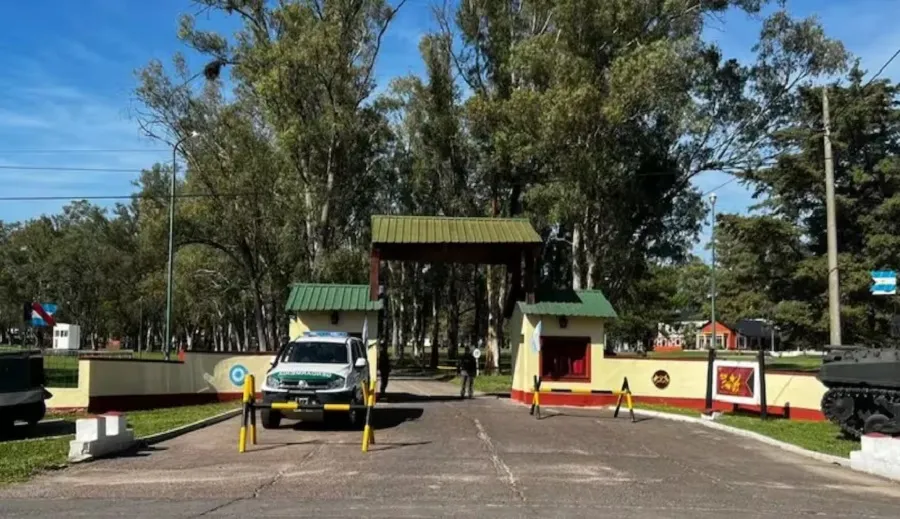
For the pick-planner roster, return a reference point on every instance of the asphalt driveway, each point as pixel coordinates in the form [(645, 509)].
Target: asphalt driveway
[(438, 456)]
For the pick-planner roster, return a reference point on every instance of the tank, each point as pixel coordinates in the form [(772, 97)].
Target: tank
[(863, 389), (22, 392)]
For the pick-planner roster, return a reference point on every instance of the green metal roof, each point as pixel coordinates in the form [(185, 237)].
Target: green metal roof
[(323, 297), (571, 303), (439, 229)]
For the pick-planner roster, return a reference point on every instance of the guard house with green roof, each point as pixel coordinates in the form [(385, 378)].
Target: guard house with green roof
[(511, 242), (561, 338), (334, 308)]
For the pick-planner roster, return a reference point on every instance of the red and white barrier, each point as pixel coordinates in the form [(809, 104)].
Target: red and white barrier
[(879, 455), (100, 436)]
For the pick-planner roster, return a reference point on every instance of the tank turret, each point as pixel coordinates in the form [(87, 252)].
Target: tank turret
[(863, 389)]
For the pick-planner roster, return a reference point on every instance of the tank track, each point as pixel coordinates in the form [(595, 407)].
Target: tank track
[(850, 406)]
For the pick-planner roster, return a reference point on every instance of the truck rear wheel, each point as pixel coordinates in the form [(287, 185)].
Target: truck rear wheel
[(270, 419), (33, 413)]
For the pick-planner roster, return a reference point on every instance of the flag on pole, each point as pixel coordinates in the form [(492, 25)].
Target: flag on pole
[(536, 338), (365, 332)]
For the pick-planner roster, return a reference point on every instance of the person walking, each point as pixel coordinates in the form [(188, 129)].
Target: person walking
[(466, 367), (384, 369)]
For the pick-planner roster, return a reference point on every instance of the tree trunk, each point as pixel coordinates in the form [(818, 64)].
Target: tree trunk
[(258, 317), (576, 256), (453, 325), (435, 324)]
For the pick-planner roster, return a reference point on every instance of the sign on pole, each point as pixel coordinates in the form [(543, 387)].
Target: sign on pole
[(476, 353), (42, 314), (884, 282), (736, 382)]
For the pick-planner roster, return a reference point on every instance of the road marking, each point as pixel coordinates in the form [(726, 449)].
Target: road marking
[(501, 467)]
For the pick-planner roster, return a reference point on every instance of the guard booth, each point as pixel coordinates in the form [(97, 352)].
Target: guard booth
[(561, 340), (335, 308), (66, 336)]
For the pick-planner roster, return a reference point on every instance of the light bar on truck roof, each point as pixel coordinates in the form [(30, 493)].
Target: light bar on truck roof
[(325, 334)]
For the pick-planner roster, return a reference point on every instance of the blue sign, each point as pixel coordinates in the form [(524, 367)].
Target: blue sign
[(37, 320), (237, 374), (884, 282)]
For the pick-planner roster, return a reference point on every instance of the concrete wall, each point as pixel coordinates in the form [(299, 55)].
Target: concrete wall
[(800, 392), (114, 384), (72, 398)]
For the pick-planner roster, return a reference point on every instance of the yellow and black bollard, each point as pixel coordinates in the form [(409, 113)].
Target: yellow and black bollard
[(625, 393), (247, 409), (368, 434), (252, 407), (536, 398)]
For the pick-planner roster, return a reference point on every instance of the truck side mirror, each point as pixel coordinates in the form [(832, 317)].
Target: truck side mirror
[(361, 362)]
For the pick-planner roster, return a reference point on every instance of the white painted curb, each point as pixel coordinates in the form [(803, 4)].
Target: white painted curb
[(191, 427), (827, 458)]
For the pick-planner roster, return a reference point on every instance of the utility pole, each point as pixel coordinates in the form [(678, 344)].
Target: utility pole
[(167, 345), (711, 355), (834, 289), (712, 303)]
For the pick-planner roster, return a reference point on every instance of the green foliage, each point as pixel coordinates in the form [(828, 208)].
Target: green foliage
[(590, 118), (775, 265)]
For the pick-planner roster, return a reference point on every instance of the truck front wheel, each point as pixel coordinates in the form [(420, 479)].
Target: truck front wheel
[(270, 419)]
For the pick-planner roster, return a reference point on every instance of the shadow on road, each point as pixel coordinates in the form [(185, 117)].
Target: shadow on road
[(622, 417), (382, 418), (377, 446), (406, 398), (45, 429)]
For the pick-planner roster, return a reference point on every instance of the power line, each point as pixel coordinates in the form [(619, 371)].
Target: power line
[(124, 197), (66, 168), (134, 150), (720, 186)]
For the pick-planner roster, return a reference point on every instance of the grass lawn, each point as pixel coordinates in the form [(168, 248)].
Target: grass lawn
[(822, 437), (21, 459), (490, 383), (801, 363), (816, 436)]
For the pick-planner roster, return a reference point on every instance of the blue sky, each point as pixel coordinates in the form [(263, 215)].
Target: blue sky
[(68, 80)]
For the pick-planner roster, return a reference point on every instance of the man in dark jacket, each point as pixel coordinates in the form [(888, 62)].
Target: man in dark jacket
[(384, 369), (466, 367)]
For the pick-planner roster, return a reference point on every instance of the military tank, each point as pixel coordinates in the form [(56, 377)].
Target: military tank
[(863, 394)]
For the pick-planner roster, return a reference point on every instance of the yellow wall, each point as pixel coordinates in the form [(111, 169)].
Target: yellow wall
[(527, 361), (350, 322), (200, 373), (72, 397)]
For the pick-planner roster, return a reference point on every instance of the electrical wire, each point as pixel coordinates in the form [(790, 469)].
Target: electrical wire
[(135, 150), (124, 197), (66, 168)]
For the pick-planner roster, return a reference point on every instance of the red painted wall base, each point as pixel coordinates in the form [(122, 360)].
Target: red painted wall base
[(585, 400)]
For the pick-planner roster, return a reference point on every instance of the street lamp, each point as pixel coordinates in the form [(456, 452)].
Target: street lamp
[(168, 337), (712, 305), (711, 356)]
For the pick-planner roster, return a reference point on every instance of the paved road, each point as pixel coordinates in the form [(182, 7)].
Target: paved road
[(449, 458)]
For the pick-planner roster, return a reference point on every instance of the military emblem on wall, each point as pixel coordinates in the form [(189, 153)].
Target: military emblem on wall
[(661, 379)]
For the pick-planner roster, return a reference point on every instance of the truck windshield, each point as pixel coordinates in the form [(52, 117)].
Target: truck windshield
[(315, 353)]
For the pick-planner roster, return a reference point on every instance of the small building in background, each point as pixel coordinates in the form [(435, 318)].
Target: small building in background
[(726, 337), (335, 308), (755, 334), (677, 336), (66, 336)]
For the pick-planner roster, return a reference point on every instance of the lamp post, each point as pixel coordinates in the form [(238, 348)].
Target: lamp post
[(167, 348), (712, 303), (712, 350)]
